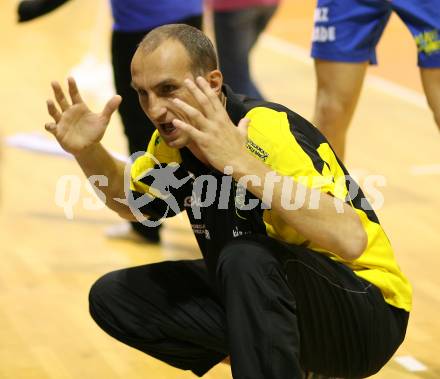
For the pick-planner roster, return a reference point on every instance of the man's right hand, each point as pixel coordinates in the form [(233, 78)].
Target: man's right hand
[(76, 127)]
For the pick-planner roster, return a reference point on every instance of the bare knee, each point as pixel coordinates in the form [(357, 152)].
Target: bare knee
[(338, 87), (331, 109)]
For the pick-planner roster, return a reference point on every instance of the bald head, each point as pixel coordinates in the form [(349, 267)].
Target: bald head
[(199, 47)]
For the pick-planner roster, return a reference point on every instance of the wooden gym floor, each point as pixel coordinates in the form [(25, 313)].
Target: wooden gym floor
[(48, 262)]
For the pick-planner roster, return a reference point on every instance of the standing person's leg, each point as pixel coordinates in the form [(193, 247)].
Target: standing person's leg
[(343, 45), (423, 20), (431, 85), (137, 127), (289, 309), (338, 86), (236, 33), (167, 310), (233, 35), (264, 15)]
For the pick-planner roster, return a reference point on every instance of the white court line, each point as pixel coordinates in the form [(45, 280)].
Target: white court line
[(431, 169), (386, 86), (410, 363), (38, 143)]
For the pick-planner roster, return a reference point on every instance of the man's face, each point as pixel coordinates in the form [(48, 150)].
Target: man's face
[(158, 77)]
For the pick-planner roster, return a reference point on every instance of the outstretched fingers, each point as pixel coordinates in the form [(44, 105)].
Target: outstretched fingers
[(197, 118), (205, 103), (194, 134), (51, 127), (209, 93), (59, 96), (53, 111), (73, 91)]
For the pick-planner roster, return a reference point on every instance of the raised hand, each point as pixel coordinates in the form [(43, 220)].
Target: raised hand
[(210, 128), (76, 127)]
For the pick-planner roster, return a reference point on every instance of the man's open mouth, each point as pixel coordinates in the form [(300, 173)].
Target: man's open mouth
[(167, 127)]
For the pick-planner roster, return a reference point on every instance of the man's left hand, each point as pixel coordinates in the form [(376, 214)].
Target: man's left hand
[(211, 129)]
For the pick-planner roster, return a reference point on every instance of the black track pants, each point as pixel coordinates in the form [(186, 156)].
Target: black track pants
[(277, 310)]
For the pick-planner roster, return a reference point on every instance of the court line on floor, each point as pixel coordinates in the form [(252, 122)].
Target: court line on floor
[(410, 363), (430, 169), (39, 143)]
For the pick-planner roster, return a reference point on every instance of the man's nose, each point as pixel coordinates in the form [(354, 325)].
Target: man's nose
[(156, 109)]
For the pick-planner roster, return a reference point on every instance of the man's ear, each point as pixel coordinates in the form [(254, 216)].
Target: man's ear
[(215, 80)]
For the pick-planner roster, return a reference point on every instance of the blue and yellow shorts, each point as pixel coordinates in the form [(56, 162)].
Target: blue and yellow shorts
[(349, 30)]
